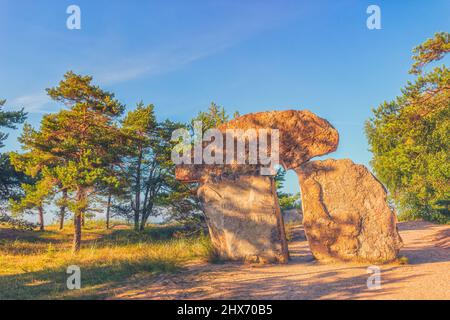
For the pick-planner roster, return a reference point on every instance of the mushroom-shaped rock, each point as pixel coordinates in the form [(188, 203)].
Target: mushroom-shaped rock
[(241, 206)]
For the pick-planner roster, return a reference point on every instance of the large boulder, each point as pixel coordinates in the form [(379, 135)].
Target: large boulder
[(345, 213), (302, 136), (244, 219)]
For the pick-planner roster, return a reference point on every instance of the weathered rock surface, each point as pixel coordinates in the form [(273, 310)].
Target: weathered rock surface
[(345, 213), (303, 135), (241, 206), (244, 219)]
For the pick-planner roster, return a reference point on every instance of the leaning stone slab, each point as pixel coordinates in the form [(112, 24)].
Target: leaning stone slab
[(345, 213), (244, 219)]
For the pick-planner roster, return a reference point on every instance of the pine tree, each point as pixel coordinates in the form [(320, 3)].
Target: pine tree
[(409, 137), (78, 146), (10, 180), (148, 170), (213, 117), (9, 119)]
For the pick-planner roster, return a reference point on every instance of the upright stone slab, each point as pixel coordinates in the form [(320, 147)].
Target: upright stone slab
[(244, 219), (345, 213)]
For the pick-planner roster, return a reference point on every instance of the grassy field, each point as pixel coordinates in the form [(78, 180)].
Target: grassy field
[(33, 264)]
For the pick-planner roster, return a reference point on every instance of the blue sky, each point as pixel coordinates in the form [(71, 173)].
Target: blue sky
[(245, 55)]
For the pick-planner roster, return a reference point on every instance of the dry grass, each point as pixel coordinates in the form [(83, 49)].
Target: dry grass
[(33, 264)]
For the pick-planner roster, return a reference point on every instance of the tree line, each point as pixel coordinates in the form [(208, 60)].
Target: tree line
[(90, 153)]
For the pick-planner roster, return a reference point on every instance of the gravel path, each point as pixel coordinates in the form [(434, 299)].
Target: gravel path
[(426, 276)]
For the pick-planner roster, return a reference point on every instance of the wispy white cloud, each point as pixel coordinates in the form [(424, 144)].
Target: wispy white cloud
[(191, 47), (171, 54), (159, 62), (33, 103)]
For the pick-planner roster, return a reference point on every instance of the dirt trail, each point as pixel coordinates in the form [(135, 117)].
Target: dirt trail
[(426, 276)]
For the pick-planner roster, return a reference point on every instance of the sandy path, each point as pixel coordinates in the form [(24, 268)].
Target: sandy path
[(426, 276)]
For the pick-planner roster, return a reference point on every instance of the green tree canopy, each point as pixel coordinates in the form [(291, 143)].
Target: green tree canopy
[(409, 137), (286, 200), (10, 180), (213, 117), (9, 119)]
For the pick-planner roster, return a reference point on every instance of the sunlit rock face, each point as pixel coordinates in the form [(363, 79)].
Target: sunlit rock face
[(302, 136), (345, 213), (244, 219), (240, 205)]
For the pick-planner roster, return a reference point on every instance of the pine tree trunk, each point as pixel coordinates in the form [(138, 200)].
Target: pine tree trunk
[(61, 218), (145, 216), (108, 208), (82, 220), (137, 211), (77, 232), (41, 218), (78, 215), (136, 221), (143, 221), (62, 212)]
